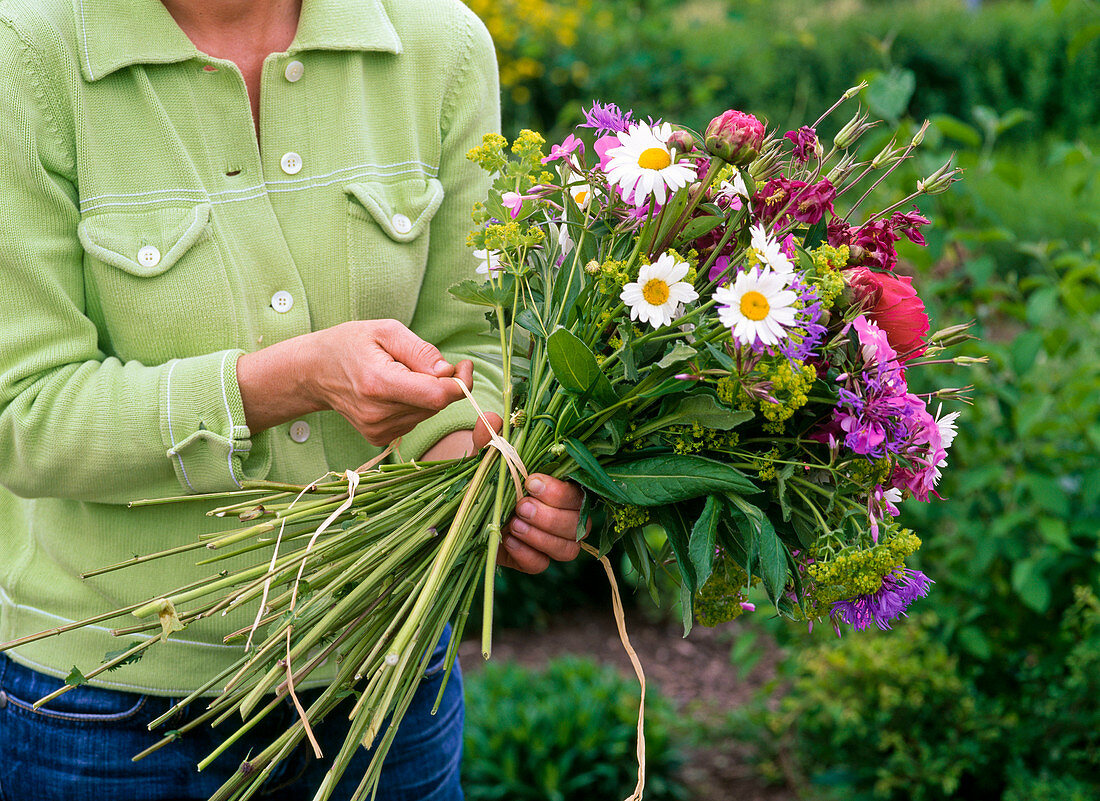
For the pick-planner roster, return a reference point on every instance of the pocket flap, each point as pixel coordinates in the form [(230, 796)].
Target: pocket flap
[(402, 210), (144, 243)]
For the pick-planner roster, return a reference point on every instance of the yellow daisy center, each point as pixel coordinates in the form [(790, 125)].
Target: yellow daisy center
[(655, 292), (654, 158), (754, 306)]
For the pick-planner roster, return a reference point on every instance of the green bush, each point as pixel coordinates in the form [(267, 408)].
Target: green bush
[(565, 733), (895, 717), (883, 716)]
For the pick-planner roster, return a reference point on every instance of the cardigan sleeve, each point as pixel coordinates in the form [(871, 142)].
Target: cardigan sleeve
[(471, 109), (74, 421)]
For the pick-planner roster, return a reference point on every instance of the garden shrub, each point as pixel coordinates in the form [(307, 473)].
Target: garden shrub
[(564, 733), (785, 63)]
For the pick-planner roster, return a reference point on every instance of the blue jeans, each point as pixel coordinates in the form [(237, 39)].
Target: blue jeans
[(78, 747)]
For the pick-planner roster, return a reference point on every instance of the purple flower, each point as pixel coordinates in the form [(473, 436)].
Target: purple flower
[(565, 149), (607, 118), (807, 332), (805, 143), (719, 268), (873, 245), (900, 588)]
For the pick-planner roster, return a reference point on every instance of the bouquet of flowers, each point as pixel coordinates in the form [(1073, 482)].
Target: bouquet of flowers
[(690, 329)]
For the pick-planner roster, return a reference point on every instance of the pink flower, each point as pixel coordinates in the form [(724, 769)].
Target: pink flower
[(565, 149), (894, 306), (735, 137), (513, 201), (805, 143), (604, 144)]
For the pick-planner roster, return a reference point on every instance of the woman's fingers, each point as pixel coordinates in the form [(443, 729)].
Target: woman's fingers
[(520, 556), (555, 492), (560, 549)]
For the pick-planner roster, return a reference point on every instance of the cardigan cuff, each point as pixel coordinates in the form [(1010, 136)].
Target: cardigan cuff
[(203, 424)]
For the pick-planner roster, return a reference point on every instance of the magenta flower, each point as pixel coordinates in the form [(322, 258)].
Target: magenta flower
[(909, 224), (565, 149), (813, 201), (900, 588), (805, 143), (873, 245)]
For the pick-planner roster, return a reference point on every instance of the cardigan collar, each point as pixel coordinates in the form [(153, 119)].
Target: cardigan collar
[(114, 34)]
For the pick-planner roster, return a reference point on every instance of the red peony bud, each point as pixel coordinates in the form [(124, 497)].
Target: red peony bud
[(683, 141), (735, 137)]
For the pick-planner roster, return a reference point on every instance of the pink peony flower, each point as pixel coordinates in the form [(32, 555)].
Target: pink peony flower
[(734, 136), (894, 306)]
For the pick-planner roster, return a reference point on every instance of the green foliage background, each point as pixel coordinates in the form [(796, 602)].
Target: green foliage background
[(992, 690)]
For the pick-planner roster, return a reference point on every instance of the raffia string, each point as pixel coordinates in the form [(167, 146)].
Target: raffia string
[(516, 466), (507, 449), (620, 622)]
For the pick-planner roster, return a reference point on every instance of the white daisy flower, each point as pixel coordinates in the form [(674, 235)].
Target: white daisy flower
[(758, 306), (656, 296), (769, 252), (490, 261), (643, 165), (581, 194)]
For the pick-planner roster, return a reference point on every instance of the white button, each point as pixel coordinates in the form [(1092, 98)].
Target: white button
[(299, 431), (282, 301), (294, 71), (148, 256), (401, 223), (291, 163)]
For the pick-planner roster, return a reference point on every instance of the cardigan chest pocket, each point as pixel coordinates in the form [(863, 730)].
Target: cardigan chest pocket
[(388, 238), (156, 283)]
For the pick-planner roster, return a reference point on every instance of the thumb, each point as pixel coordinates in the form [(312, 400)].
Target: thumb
[(413, 352), (482, 435)]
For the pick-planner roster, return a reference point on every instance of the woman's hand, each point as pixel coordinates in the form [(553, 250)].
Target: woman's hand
[(545, 524), (377, 373)]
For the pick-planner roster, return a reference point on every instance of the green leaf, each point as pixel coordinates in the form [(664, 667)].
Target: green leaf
[(1025, 348), (576, 368), (598, 480), (485, 293), (697, 227), (890, 92), (1082, 39), (769, 551), (709, 413), (131, 659), (701, 544), (637, 551), (529, 320), (781, 487), (661, 480), (1030, 586), (672, 521), (814, 237), (954, 128), (679, 353), (75, 677)]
